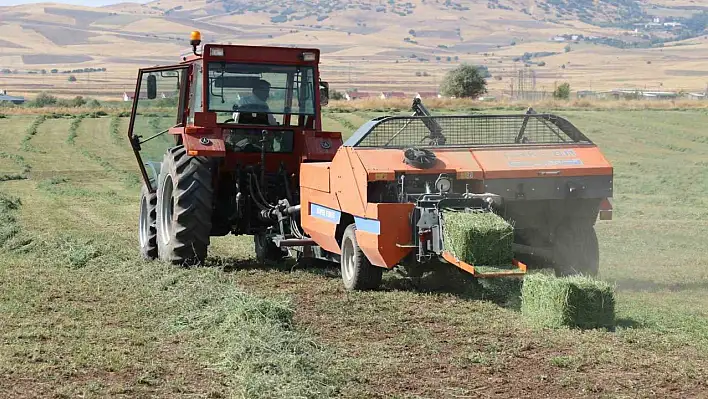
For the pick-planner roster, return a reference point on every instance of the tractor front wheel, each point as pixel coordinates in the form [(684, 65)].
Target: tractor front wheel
[(184, 207), (147, 224), (576, 251), (357, 272)]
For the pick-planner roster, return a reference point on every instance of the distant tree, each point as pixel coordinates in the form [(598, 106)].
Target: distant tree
[(54, 71), (44, 71), (562, 92), (411, 32), (464, 81), (542, 63), (42, 100), (336, 95), (93, 103), (77, 101), (567, 48), (72, 78)]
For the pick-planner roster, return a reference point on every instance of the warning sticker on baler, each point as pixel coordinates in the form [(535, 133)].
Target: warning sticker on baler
[(550, 162), (542, 158), (322, 212)]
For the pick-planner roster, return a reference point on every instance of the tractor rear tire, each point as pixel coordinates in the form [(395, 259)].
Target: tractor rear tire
[(147, 224), (184, 207), (576, 251), (358, 274), (266, 250)]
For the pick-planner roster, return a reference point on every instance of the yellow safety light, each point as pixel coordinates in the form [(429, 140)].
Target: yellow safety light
[(196, 36), (195, 39)]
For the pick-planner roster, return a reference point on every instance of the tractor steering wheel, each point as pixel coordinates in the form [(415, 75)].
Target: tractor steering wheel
[(246, 144)]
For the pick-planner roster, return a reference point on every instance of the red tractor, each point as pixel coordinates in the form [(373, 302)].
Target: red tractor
[(227, 160), (244, 153)]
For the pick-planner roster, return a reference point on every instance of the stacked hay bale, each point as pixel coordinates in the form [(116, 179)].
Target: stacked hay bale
[(478, 238), (577, 301)]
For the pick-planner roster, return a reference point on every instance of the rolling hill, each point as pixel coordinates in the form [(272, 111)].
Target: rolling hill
[(370, 45)]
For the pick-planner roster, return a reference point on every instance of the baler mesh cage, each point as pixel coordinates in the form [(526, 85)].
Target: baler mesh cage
[(469, 130)]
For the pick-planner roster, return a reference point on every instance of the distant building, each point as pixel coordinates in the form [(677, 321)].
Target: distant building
[(427, 94), (129, 97), (357, 95), (660, 95), (586, 94), (696, 96), (392, 94), (13, 99), (635, 94)]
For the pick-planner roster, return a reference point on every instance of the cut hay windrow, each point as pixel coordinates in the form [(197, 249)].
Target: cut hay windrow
[(478, 238), (582, 302)]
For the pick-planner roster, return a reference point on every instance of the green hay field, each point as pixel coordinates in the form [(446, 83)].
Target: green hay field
[(83, 316)]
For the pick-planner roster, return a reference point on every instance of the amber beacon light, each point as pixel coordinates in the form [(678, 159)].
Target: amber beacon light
[(195, 39)]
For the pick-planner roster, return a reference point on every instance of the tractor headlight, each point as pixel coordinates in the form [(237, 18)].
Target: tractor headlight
[(443, 184)]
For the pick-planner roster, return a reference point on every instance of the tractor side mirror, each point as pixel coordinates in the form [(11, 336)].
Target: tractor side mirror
[(152, 87), (324, 93)]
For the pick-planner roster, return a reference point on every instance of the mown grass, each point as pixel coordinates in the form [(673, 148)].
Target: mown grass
[(31, 132), (82, 315)]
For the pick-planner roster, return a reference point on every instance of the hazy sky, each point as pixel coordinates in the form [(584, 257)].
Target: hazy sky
[(96, 3)]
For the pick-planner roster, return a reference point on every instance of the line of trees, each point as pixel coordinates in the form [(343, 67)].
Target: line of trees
[(8, 71), (47, 100)]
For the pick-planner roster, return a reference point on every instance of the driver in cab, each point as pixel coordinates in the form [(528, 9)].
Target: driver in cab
[(254, 108)]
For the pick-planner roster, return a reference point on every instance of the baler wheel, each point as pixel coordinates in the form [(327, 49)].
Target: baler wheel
[(147, 224), (357, 272), (184, 207), (576, 251)]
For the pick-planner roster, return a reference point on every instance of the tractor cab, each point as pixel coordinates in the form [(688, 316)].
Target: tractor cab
[(230, 101)]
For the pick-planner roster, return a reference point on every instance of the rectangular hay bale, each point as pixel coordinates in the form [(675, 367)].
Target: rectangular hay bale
[(577, 301), (478, 238)]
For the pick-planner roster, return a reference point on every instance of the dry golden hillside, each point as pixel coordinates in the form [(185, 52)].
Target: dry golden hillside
[(369, 45)]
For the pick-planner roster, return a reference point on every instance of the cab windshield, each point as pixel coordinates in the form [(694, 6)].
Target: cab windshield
[(236, 88)]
